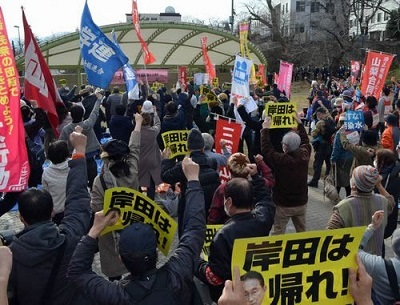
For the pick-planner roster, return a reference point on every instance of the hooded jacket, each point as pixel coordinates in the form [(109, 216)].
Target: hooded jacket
[(36, 247)]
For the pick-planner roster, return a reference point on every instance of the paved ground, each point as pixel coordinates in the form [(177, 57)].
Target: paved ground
[(318, 213)]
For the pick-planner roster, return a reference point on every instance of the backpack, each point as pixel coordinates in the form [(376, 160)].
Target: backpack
[(159, 293), (36, 158), (330, 129)]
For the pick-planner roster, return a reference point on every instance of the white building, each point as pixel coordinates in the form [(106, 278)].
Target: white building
[(168, 15), (374, 23)]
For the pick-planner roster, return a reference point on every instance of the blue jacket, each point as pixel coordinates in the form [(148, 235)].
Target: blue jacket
[(180, 267), (35, 248), (338, 152)]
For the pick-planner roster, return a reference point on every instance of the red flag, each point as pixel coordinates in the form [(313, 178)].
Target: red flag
[(355, 70), (39, 84), (376, 69), (14, 165), (148, 57), (210, 69), (182, 78), (229, 132), (261, 72)]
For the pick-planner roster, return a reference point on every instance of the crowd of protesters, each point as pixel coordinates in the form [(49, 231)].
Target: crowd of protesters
[(62, 209)]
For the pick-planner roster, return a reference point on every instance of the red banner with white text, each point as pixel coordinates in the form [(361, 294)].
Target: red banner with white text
[(147, 55), (376, 68), (230, 132), (182, 75), (14, 165), (210, 68), (261, 72)]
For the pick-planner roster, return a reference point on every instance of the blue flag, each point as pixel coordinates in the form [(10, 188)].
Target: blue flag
[(101, 57), (131, 83)]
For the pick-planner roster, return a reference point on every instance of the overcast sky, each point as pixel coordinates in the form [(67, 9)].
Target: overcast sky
[(48, 17)]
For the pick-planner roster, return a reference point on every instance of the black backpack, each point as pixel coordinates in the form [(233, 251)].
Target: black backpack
[(330, 129), (159, 293)]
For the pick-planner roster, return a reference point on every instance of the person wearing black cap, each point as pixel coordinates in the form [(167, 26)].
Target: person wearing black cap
[(172, 173), (172, 282)]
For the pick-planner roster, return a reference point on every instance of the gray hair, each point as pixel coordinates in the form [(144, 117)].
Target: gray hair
[(292, 141), (208, 141)]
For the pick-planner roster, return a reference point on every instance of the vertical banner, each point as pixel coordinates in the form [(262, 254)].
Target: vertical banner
[(243, 38), (276, 77), (14, 165), (261, 72), (377, 67), (241, 77), (101, 57), (301, 268), (182, 72), (148, 57), (39, 84), (210, 68), (230, 132), (131, 83), (285, 77), (355, 70)]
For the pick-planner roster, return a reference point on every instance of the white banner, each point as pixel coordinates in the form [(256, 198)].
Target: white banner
[(241, 77)]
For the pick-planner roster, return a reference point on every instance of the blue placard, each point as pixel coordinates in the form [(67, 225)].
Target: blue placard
[(354, 120)]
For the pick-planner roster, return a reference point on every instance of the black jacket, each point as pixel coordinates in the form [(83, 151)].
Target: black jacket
[(256, 223), (172, 173), (180, 267), (35, 248), (121, 127)]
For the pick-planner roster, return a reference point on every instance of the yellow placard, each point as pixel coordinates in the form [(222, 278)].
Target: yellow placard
[(176, 141), (211, 230), (215, 82), (209, 95), (302, 268), (136, 207), (281, 114), (156, 86)]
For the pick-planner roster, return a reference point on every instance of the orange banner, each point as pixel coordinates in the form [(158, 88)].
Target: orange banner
[(210, 69), (147, 56), (375, 72), (14, 165)]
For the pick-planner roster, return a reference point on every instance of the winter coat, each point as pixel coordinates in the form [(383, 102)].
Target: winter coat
[(150, 154), (291, 188), (121, 127), (36, 247), (180, 266)]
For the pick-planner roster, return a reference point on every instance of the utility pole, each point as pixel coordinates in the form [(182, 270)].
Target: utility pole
[(19, 39), (232, 18)]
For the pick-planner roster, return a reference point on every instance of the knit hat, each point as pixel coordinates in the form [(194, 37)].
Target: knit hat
[(391, 119), (338, 102), (347, 93), (195, 140), (396, 242), (147, 107), (237, 163), (365, 177), (115, 148), (138, 237), (222, 96)]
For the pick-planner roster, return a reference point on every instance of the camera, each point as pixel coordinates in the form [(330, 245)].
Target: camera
[(6, 237)]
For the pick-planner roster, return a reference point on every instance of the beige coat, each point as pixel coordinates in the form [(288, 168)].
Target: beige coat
[(111, 265)]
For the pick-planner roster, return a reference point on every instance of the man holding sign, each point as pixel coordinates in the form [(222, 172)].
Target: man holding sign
[(172, 283)]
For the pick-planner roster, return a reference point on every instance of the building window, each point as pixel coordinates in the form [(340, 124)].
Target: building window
[(314, 7), (386, 16), (300, 6), (299, 28), (379, 19), (351, 23), (373, 19), (287, 8), (330, 8)]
